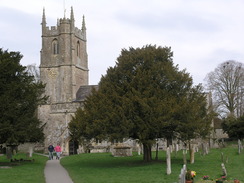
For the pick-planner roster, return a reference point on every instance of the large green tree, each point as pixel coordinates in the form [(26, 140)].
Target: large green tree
[(234, 127), (19, 98), (139, 98)]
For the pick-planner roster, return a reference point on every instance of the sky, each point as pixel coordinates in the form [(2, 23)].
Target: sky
[(201, 33)]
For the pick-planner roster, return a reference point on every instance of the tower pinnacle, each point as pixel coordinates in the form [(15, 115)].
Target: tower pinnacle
[(44, 23), (72, 14), (44, 18), (83, 28), (72, 20)]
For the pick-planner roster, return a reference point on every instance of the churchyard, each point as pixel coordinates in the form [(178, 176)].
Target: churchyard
[(22, 171), (103, 167)]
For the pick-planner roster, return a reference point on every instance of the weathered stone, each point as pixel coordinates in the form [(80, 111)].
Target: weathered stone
[(121, 151), (64, 69)]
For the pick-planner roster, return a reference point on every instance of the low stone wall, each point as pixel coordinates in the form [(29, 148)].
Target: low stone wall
[(37, 147), (99, 149)]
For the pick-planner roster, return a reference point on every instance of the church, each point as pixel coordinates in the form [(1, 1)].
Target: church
[(64, 70)]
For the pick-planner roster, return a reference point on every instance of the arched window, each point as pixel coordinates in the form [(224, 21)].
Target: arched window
[(78, 49), (55, 47)]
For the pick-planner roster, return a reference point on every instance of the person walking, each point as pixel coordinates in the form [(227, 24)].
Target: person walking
[(50, 151), (58, 151)]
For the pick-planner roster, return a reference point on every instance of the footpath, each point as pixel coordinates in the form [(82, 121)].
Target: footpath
[(55, 173)]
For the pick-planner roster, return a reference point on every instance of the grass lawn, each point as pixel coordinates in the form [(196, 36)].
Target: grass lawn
[(104, 168), (22, 172)]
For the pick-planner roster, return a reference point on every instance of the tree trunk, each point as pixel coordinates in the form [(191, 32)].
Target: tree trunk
[(156, 158), (184, 154), (191, 152), (147, 152)]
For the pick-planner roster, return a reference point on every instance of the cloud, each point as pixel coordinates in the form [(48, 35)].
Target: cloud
[(201, 33), (20, 32)]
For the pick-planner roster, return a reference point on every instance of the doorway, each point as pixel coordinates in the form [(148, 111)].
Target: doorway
[(73, 146)]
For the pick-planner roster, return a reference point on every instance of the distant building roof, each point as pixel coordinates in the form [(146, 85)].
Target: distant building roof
[(84, 91)]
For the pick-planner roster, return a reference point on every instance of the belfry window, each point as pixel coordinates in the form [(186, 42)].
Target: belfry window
[(78, 49), (55, 47)]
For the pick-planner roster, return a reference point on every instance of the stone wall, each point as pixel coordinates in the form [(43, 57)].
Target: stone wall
[(37, 147), (55, 118)]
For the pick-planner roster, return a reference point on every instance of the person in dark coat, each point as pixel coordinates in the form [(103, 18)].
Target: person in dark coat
[(50, 151)]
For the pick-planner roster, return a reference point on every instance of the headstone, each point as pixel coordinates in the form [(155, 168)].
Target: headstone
[(177, 147), (182, 176), (227, 159), (9, 152), (206, 149), (181, 145), (30, 151), (239, 146), (14, 151), (171, 148), (196, 149), (203, 149), (222, 157), (168, 161), (223, 142), (139, 149), (224, 171)]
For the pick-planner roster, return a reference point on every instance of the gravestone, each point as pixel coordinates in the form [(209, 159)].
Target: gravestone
[(182, 176), (9, 153), (239, 146), (122, 151), (138, 149), (177, 147), (224, 171), (168, 159), (192, 153)]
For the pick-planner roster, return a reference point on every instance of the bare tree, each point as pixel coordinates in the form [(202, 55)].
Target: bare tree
[(33, 70), (226, 83)]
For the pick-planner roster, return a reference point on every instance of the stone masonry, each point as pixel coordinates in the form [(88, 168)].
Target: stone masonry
[(64, 70)]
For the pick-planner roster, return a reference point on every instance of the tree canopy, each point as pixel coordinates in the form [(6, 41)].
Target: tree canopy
[(195, 115), (142, 98), (226, 83), (234, 127), (19, 98)]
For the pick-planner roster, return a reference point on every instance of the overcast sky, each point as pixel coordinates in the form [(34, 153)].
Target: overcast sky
[(201, 33)]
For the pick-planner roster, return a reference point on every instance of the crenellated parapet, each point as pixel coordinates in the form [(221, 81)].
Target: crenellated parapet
[(64, 26)]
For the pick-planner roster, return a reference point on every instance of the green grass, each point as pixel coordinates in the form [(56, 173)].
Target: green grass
[(103, 168), (211, 164), (23, 172)]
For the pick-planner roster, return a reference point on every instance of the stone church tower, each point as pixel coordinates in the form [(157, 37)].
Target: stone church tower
[(64, 70)]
